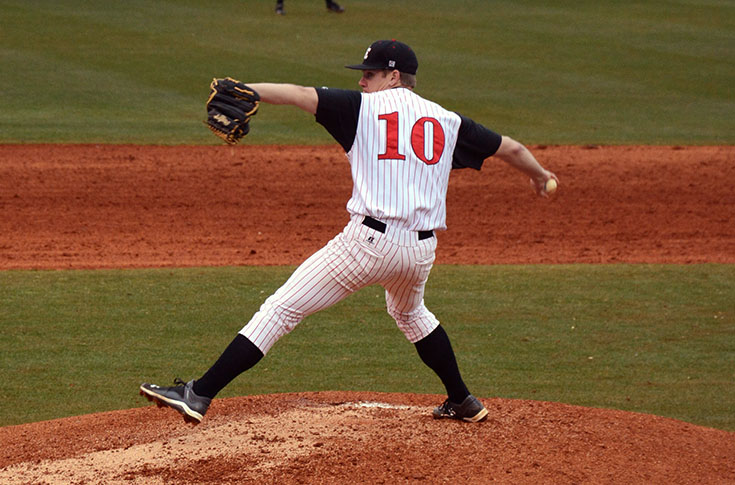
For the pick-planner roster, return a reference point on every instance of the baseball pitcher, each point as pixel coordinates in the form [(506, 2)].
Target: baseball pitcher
[(401, 149)]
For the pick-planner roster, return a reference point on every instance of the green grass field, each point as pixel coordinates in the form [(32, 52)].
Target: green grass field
[(611, 72), (654, 339), (657, 339)]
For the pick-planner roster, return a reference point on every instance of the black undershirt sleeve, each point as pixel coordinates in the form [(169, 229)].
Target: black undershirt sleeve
[(475, 143), (338, 111)]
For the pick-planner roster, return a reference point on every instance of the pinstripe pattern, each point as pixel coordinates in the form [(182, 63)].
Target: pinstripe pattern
[(400, 160), (407, 193), (356, 258)]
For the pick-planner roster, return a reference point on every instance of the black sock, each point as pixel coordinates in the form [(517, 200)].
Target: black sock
[(436, 351), (238, 357)]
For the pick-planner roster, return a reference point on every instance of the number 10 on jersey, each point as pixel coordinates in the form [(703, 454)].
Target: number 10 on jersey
[(419, 136)]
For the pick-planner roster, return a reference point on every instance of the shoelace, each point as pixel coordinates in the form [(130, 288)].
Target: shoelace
[(447, 408), (179, 382)]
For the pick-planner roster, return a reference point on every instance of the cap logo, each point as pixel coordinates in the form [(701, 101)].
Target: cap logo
[(391, 63), (367, 53)]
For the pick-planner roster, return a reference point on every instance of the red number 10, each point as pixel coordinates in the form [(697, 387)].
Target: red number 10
[(417, 139)]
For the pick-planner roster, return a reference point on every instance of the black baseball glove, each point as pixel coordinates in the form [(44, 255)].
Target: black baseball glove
[(229, 108)]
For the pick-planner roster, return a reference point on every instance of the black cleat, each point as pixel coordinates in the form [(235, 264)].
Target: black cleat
[(471, 410), (181, 397), (335, 7)]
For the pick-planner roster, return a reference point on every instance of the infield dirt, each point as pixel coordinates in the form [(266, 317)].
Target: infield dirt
[(102, 206)]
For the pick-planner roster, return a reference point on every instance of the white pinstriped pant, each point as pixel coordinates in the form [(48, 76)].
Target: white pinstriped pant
[(358, 257)]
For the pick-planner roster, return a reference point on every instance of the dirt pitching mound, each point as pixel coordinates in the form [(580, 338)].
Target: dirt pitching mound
[(360, 437)]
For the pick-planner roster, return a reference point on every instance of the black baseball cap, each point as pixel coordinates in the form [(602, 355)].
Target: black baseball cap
[(389, 54)]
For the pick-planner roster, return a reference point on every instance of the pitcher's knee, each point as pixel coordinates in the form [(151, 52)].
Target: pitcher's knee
[(416, 324), (270, 323)]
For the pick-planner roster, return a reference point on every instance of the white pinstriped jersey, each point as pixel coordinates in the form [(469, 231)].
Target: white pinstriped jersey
[(402, 148), (401, 159)]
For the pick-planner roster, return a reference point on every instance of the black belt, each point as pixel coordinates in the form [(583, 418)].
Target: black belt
[(381, 226)]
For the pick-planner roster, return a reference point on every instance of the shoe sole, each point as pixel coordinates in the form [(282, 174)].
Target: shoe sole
[(481, 416), (190, 416)]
